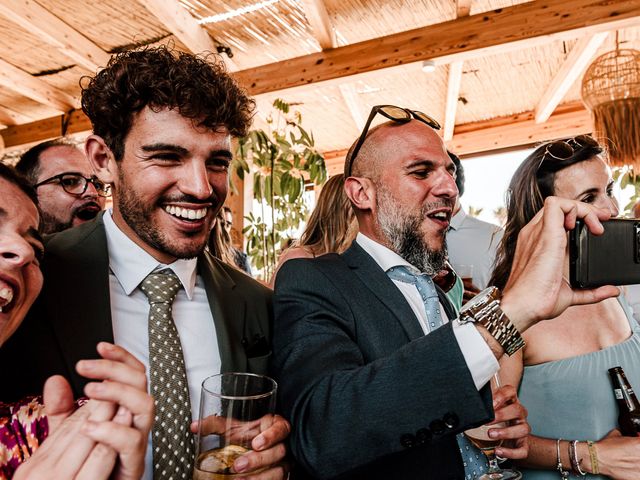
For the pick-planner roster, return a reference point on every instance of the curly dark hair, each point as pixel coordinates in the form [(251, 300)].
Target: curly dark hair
[(159, 77), (531, 183)]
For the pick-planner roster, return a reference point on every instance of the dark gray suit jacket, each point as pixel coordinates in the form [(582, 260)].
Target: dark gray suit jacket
[(73, 314), (367, 393)]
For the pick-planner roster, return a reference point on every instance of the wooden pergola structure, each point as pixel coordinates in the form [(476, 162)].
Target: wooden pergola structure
[(506, 71)]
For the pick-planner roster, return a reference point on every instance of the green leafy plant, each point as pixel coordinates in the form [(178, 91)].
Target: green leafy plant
[(625, 176), (282, 160)]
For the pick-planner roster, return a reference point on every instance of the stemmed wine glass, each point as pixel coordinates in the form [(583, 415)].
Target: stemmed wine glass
[(480, 438)]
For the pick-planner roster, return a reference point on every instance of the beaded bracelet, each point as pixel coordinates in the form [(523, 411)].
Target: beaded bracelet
[(563, 473), (573, 458), (593, 454)]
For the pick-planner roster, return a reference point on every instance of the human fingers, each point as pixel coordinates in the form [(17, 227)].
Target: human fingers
[(113, 370), (100, 462), (64, 451), (136, 401), (256, 460), (563, 211), (119, 354), (584, 297), (276, 472), (518, 451), (511, 432), (128, 443), (275, 429), (58, 400), (504, 395)]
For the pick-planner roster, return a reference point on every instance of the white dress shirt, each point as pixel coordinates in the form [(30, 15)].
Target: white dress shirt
[(129, 264), (471, 241), (480, 360)]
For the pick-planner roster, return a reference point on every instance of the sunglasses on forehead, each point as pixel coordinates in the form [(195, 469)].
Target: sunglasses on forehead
[(395, 114), (564, 149)]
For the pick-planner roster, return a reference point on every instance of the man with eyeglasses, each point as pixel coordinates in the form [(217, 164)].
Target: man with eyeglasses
[(239, 257), (377, 376), (68, 192)]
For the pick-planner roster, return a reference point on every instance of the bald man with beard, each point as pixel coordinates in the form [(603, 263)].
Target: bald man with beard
[(68, 192), (375, 372)]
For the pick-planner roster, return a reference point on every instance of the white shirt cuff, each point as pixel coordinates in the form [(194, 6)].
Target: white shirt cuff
[(481, 361)]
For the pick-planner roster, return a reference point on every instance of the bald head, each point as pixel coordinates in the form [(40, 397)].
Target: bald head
[(382, 143)]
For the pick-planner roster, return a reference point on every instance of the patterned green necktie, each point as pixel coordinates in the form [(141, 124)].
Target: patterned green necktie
[(172, 441)]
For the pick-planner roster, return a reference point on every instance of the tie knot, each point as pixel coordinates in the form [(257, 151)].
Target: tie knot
[(161, 287), (423, 283)]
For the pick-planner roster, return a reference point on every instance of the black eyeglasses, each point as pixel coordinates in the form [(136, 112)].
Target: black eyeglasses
[(565, 149), (396, 114), (76, 184)]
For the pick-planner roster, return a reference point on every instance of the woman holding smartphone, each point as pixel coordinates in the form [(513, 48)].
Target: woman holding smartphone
[(562, 371)]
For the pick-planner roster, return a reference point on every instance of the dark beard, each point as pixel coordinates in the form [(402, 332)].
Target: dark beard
[(139, 218), (403, 232), (51, 224)]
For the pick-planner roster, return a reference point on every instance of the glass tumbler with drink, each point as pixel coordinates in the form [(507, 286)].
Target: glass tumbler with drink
[(479, 436), (234, 409)]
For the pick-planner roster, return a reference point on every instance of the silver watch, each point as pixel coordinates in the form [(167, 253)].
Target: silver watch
[(485, 309)]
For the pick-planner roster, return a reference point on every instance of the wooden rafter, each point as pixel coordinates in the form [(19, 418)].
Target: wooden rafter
[(9, 116), (351, 100), (568, 120), (183, 25), (572, 68), (453, 92), (21, 82), (511, 131), (316, 13), (508, 29), (41, 22), (463, 8)]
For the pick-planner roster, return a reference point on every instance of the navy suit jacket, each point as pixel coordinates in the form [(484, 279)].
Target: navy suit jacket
[(367, 393), (73, 314)]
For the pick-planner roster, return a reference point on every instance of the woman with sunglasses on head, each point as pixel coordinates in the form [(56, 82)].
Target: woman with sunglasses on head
[(106, 436), (562, 371)]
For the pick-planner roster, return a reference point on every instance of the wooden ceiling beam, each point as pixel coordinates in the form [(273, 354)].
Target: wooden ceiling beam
[(184, 26), (507, 29), (451, 105), (454, 80), (25, 84), (352, 101), (9, 116), (568, 120), (463, 8), (41, 130), (511, 131), (318, 18), (573, 67), (41, 22), (316, 13)]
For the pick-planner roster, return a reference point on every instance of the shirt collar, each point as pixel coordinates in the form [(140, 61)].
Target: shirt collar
[(382, 255), (131, 264), (458, 219)]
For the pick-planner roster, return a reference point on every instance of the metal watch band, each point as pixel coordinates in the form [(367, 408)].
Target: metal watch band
[(499, 327)]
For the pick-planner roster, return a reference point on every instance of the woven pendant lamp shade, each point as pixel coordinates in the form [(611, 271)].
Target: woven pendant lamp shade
[(611, 90)]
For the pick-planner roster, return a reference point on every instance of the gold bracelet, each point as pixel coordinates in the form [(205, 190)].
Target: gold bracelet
[(593, 454)]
